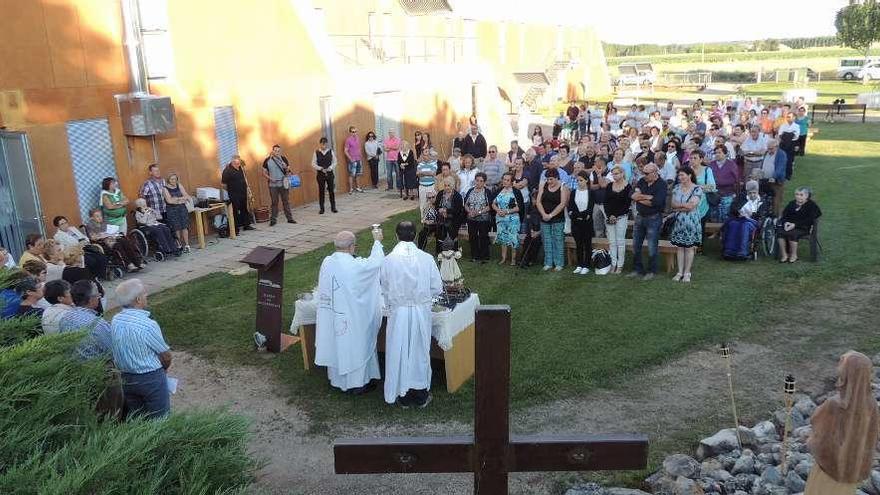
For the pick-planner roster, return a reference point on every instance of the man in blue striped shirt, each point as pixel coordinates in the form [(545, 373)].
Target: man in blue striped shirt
[(140, 353), (84, 316)]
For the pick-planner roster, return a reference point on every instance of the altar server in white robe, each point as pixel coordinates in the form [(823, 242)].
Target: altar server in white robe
[(349, 315), (410, 280)]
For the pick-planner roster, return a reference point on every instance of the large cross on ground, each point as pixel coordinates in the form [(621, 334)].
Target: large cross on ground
[(491, 453)]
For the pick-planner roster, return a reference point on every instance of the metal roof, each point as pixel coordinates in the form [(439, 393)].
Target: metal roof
[(425, 7)]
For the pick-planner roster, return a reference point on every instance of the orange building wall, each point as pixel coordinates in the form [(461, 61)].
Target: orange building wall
[(63, 60)]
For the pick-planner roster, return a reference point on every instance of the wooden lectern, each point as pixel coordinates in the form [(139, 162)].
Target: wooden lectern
[(269, 263)]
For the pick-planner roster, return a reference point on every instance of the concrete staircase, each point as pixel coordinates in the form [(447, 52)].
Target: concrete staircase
[(536, 92)]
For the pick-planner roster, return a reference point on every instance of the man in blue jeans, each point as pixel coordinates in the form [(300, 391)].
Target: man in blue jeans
[(650, 198), (140, 353)]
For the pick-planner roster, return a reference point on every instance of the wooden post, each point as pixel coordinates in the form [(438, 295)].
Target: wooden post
[(491, 418)]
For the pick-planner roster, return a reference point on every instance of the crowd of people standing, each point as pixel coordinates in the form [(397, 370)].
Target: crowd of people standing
[(664, 171)]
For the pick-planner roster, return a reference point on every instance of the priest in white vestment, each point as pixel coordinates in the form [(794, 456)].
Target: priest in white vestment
[(410, 280), (349, 315)]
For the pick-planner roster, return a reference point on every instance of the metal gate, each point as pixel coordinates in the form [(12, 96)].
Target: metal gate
[(20, 212)]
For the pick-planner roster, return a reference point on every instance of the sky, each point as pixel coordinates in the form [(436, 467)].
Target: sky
[(678, 21)]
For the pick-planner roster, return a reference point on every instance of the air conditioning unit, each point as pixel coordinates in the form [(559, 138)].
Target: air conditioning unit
[(146, 115)]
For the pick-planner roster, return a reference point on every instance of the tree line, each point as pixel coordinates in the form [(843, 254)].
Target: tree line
[(770, 44)]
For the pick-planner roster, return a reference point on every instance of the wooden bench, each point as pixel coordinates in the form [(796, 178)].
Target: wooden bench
[(665, 248), (711, 227), (844, 109)]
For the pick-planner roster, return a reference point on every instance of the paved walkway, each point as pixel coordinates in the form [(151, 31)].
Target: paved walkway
[(356, 212)]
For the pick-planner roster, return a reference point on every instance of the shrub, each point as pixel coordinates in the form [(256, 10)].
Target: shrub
[(193, 453), (17, 330), (47, 398), (54, 442)]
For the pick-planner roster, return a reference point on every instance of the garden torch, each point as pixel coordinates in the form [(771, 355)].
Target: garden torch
[(725, 354), (788, 389)]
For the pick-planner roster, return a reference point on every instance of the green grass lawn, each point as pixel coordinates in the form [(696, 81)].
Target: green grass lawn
[(570, 333)]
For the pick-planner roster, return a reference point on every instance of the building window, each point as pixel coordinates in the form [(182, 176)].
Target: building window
[(158, 52)]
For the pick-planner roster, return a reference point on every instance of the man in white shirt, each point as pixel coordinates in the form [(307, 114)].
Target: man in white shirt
[(755, 143), (410, 280), (349, 315), (753, 149), (789, 127), (56, 293)]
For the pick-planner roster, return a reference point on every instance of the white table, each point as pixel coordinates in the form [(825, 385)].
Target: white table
[(453, 332)]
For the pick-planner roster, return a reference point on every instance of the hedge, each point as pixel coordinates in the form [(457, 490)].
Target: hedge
[(53, 441)]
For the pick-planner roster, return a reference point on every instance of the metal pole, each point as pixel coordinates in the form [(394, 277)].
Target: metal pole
[(133, 43)]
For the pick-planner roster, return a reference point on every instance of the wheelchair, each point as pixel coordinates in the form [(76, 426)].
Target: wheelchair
[(147, 245), (115, 265)]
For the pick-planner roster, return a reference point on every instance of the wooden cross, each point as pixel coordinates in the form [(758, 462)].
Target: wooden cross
[(491, 453)]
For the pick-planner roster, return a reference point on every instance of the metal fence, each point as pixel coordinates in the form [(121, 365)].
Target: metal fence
[(684, 79), (362, 49)]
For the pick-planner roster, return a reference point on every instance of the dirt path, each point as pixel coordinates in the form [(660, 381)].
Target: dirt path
[(675, 404)]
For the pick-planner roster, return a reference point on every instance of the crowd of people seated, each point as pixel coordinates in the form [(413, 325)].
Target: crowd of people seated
[(666, 171), (131, 344), (49, 269)]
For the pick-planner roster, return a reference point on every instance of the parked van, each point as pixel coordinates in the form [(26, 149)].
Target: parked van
[(849, 67), (637, 74)]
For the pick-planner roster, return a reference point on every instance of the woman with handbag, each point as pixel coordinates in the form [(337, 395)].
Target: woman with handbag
[(616, 213), (178, 206), (706, 180), (687, 233)]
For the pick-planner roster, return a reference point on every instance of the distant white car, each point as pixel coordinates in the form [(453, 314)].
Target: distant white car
[(848, 68), (871, 71)]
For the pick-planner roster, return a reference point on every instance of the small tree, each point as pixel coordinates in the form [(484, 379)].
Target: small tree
[(858, 25)]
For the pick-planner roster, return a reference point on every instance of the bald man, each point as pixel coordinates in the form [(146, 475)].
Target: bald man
[(650, 198), (349, 315)]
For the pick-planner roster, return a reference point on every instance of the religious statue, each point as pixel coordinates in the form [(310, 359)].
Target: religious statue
[(454, 290)]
